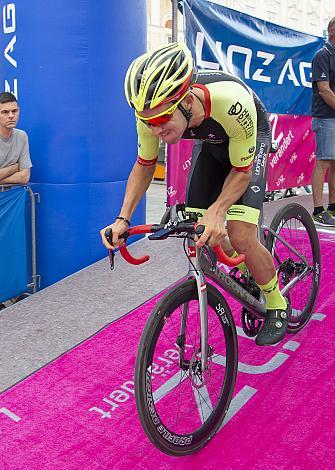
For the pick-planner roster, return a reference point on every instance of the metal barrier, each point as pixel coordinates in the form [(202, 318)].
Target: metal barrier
[(34, 284)]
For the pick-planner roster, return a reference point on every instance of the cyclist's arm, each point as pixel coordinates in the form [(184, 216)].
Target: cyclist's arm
[(326, 93), (143, 170), (138, 182), (235, 110), (234, 187), (241, 129)]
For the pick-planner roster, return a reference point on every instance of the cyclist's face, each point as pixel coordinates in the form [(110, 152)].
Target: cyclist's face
[(9, 115), (170, 131)]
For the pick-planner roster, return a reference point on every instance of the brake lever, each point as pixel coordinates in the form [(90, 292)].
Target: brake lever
[(111, 256), (109, 237)]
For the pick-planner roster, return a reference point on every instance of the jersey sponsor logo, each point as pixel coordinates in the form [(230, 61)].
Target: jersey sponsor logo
[(252, 149), (235, 109), (243, 118), (235, 212), (260, 159), (255, 189), (214, 141), (244, 159), (323, 75)]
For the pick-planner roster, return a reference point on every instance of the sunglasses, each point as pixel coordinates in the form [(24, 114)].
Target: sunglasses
[(161, 118)]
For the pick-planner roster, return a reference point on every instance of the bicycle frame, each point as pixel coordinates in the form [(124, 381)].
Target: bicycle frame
[(199, 268), (202, 266), (296, 279)]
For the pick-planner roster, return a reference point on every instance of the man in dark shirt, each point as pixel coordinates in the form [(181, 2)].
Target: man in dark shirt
[(323, 125)]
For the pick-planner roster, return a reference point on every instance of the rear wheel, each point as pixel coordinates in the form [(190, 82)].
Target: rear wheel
[(295, 225), (179, 406)]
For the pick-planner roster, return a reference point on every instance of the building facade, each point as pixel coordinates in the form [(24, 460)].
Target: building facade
[(309, 16)]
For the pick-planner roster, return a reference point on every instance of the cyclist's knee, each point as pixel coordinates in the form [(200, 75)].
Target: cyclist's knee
[(241, 245), (243, 237)]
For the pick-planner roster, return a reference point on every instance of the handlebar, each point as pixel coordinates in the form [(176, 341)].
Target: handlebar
[(138, 230), (160, 232)]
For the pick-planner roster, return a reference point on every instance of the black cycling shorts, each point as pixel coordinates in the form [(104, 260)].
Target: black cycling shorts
[(211, 166)]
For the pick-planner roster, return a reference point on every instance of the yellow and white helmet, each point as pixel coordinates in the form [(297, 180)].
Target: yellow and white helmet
[(159, 76)]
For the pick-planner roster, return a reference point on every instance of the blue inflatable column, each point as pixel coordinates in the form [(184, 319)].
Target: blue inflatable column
[(66, 60)]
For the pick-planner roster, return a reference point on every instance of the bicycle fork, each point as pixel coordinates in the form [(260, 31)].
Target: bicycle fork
[(196, 272)]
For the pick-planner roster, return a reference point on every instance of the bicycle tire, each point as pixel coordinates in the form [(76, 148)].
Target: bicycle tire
[(294, 223), (149, 410)]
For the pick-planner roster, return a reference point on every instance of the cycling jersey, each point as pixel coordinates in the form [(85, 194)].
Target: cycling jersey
[(235, 133), (230, 115)]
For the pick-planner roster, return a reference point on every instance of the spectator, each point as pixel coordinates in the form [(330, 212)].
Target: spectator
[(323, 125), (15, 160)]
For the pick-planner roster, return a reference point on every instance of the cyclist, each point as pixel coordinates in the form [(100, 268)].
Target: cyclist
[(228, 171)]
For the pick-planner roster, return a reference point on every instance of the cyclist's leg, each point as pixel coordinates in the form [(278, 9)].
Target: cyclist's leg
[(209, 170), (242, 221)]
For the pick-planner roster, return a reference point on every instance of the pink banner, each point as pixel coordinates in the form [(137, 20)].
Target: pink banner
[(291, 166)]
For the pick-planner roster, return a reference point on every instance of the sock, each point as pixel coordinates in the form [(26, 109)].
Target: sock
[(242, 266), (273, 296), (331, 207), (318, 210)]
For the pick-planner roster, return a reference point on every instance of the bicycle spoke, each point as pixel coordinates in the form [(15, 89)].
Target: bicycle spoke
[(203, 398), (188, 394), (295, 226), (181, 405)]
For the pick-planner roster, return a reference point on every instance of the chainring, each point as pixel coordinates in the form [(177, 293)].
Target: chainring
[(250, 324)]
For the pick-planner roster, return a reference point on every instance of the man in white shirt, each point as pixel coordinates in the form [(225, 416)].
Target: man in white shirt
[(15, 160)]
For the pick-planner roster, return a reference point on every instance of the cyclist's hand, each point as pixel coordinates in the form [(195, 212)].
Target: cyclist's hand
[(119, 227), (214, 232)]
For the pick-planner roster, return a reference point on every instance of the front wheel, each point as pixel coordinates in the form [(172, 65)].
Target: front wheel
[(181, 407), (295, 225)]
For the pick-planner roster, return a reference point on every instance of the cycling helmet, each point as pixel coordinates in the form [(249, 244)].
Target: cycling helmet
[(159, 77)]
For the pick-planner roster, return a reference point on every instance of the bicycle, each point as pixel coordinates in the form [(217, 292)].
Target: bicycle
[(187, 358)]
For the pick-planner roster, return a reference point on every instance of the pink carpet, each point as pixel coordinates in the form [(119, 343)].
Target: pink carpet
[(79, 411)]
